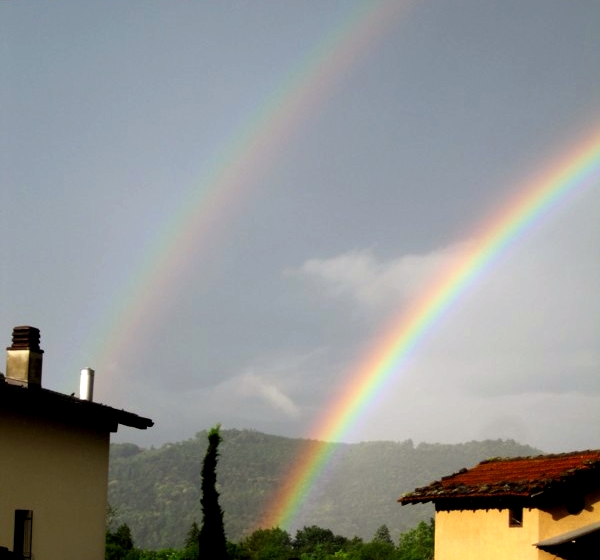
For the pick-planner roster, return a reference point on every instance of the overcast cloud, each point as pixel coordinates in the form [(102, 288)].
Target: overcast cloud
[(115, 114)]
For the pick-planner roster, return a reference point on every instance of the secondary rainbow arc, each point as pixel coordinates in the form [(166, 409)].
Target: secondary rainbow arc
[(216, 198)]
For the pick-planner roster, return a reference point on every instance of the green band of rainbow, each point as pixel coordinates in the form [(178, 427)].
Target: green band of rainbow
[(579, 170)]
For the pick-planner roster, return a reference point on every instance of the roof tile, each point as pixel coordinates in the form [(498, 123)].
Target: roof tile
[(512, 477)]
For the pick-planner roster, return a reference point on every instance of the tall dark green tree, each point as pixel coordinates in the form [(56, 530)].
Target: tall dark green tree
[(212, 544)]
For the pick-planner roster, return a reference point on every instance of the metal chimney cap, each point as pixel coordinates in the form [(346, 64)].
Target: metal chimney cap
[(26, 338)]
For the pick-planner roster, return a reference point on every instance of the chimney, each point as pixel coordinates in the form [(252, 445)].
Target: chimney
[(24, 358), (86, 384)]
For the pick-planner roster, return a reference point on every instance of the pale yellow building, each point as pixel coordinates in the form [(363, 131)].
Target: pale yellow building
[(53, 461), (527, 508)]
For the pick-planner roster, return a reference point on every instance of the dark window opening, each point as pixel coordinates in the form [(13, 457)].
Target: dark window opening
[(515, 517), (23, 531)]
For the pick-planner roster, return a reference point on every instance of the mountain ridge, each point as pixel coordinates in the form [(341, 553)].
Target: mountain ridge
[(156, 491)]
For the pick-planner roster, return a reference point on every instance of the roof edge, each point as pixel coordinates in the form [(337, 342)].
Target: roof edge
[(69, 408)]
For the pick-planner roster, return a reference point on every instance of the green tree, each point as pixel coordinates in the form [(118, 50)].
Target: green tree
[(375, 550), (236, 552), (165, 554), (191, 540), (417, 544), (383, 535), (212, 544), (318, 542), (119, 544), (190, 547), (267, 544)]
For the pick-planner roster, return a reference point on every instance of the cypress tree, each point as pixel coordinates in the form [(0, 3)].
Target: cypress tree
[(212, 543)]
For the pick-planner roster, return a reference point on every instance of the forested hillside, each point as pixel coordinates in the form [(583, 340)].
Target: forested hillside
[(156, 491)]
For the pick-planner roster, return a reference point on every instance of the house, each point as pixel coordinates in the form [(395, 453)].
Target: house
[(538, 508), (54, 461)]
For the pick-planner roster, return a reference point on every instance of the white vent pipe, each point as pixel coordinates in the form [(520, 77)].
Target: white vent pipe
[(86, 384)]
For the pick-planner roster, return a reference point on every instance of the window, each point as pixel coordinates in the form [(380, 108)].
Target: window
[(22, 540), (515, 517)]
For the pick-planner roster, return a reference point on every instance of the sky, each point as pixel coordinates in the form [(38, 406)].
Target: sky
[(220, 207)]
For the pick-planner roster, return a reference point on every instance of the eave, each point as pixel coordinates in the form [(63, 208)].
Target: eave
[(37, 402)]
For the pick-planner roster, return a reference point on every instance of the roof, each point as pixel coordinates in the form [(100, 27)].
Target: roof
[(515, 478), (50, 404)]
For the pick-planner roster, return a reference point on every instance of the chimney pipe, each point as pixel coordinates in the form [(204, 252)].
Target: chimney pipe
[(86, 384), (24, 358)]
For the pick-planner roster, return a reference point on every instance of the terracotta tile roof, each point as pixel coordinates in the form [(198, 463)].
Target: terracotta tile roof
[(520, 477)]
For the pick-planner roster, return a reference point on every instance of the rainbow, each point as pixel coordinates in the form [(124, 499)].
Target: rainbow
[(213, 201), (534, 202)]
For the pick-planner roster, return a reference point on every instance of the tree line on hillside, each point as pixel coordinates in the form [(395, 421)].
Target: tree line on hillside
[(156, 491), (310, 543)]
